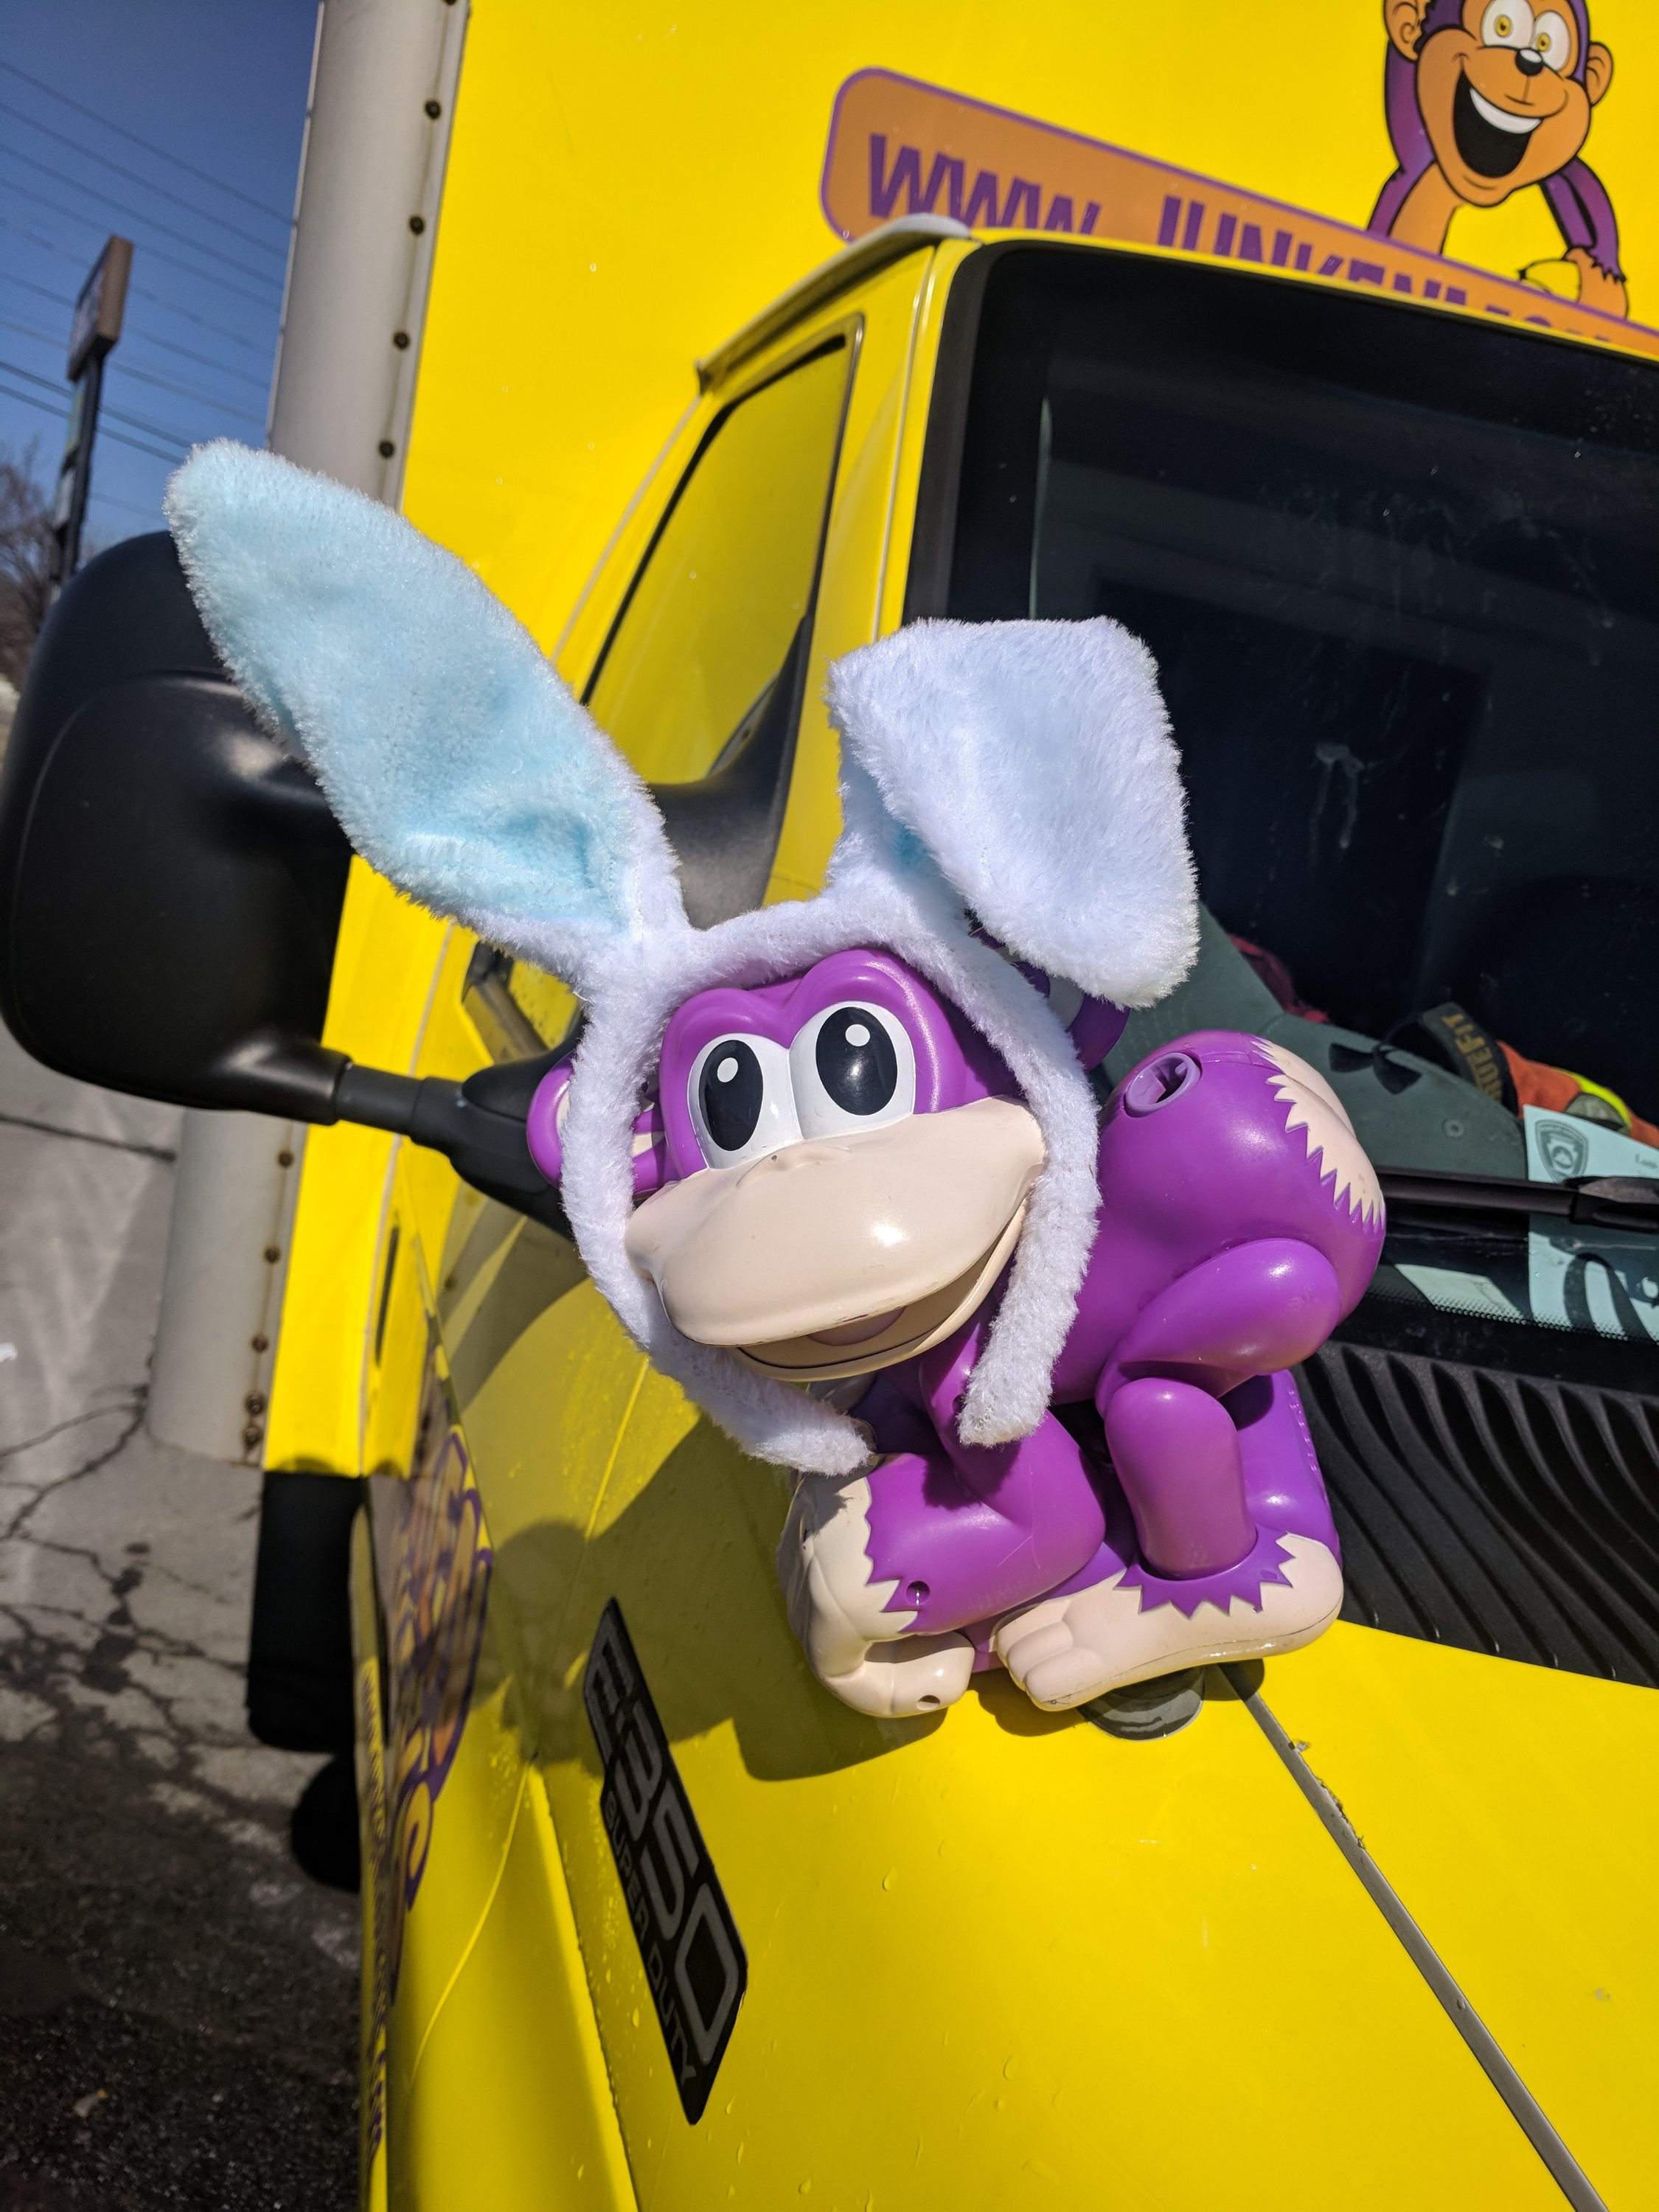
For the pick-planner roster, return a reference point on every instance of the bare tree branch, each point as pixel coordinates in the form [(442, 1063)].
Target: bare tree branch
[(25, 554)]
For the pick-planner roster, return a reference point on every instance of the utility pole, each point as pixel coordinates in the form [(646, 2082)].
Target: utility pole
[(371, 184), (97, 325)]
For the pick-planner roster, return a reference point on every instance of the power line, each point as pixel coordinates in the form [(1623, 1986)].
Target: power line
[(157, 300), (269, 304), (177, 199), (184, 392), (46, 244), (58, 298), (166, 229), (158, 254), (180, 441), (159, 152), (96, 498), (28, 376), (115, 414), (27, 331), (125, 368), (137, 291), (77, 258), (60, 413), (136, 446), (27, 399), (260, 384), (126, 212), (130, 337), (144, 376)]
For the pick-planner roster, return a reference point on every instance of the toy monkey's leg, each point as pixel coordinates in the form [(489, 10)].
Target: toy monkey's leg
[(1202, 1475), (837, 1609), (882, 1570), (1238, 1556), (1175, 1452)]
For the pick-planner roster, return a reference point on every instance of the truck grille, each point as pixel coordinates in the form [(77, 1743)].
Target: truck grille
[(1497, 1512)]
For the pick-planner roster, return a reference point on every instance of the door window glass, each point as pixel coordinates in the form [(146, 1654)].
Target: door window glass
[(725, 587)]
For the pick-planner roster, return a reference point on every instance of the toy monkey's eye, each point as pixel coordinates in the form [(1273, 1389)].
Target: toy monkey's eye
[(1552, 40), (855, 1061), (732, 1092), (741, 1102), (853, 1067), (1507, 27)]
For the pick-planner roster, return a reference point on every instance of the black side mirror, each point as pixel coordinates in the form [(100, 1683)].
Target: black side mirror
[(171, 884), (171, 880)]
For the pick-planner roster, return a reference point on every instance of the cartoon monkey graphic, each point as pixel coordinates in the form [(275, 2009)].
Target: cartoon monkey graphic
[(1484, 97)]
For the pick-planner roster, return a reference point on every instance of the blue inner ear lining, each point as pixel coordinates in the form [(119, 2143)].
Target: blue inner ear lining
[(908, 848), (454, 756)]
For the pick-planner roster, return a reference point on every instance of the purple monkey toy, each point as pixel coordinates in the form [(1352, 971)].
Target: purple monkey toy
[(836, 1163), (840, 1170)]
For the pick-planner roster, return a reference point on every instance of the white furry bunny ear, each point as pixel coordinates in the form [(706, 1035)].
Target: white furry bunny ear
[(457, 761), (1033, 763)]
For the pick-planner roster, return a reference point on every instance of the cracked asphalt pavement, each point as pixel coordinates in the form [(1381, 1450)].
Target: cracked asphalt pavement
[(178, 2002)]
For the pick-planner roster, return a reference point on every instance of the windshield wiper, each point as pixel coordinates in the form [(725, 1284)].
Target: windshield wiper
[(1629, 1202)]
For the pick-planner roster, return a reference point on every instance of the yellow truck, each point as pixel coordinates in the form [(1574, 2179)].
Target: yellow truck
[(1190, 319)]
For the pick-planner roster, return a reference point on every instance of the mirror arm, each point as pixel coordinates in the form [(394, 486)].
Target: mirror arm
[(479, 1126)]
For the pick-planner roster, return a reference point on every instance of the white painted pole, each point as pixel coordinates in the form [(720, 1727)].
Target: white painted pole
[(383, 80), (233, 1201)]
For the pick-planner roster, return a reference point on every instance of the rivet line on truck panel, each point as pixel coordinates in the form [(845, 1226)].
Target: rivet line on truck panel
[(1571, 2177)]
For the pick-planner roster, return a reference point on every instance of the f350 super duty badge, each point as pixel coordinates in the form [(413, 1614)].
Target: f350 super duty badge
[(688, 1941)]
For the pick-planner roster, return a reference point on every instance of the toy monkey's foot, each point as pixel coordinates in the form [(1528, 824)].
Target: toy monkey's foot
[(916, 1674), (855, 1647), (1064, 1650)]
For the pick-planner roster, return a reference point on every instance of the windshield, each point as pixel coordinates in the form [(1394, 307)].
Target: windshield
[(1401, 575)]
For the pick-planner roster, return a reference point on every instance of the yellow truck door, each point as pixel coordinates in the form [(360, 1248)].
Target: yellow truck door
[(998, 1956), (981, 1955)]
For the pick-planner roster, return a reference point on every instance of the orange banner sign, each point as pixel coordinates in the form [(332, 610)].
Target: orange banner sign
[(900, 147)]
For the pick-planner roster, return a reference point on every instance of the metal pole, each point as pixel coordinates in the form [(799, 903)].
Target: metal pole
[(74, 479), (98, 312), (92, 393), (383, 85)]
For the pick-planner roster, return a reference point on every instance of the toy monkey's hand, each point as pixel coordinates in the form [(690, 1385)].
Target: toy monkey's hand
[(837, 1609)]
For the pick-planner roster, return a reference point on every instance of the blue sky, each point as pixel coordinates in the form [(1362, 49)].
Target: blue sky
[(194, 110)]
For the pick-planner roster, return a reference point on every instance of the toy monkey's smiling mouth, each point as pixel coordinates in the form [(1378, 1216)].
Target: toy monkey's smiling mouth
[(839, 1255), (829, 1355), (1490, 139), (859, 1331)]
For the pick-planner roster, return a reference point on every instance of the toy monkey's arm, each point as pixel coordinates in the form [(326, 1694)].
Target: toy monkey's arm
[(962, 1531), (881, 1572), (959, 1550)]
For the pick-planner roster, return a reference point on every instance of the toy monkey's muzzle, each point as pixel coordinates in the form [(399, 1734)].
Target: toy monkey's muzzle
[(838, 1256)]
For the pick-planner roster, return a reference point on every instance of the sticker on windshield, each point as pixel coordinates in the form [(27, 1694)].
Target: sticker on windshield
[(688, 1942), (1605, 1280)]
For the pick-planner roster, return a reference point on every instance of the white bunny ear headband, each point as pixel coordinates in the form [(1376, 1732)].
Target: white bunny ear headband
[(1024, 771)]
